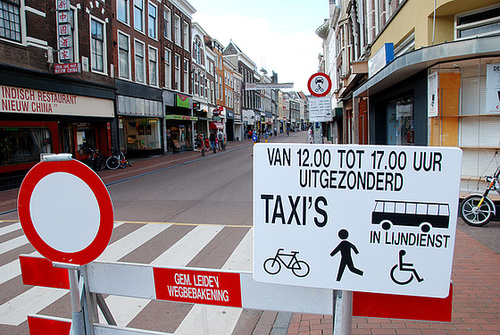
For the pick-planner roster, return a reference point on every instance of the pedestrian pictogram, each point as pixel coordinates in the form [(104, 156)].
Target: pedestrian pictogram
[(345, 248), (400, 271)]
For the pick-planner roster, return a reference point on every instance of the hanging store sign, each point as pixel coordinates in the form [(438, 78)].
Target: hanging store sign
[(264, 86), (493, 88), (181, 100), (66, 68), (432, 94), (181, 117), (384, 56)]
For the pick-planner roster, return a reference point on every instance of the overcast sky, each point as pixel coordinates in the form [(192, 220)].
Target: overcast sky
[(278, 35)]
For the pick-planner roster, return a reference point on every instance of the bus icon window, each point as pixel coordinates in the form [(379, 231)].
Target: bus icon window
[(424, 215)]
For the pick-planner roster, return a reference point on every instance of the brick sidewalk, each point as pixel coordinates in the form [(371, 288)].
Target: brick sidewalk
[(476, 301)]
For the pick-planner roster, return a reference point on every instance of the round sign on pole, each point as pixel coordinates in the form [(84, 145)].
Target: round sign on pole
[(65, 211), (319, 84)]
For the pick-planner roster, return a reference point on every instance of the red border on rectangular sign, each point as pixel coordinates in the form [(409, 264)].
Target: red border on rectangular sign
[(391, 306), (198, 287)]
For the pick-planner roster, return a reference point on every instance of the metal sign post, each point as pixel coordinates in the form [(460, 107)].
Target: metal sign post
[(342, 313)]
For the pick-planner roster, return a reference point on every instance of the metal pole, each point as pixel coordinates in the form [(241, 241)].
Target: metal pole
[(77, 322), (342, 313)]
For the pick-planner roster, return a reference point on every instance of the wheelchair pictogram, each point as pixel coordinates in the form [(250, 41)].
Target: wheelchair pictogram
[(404, 273)]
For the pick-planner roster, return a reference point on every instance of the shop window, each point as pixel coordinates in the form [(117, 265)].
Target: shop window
[(86, 140), (23, 145), (143, 133), (400, 122), (10, 20), (478, 23)]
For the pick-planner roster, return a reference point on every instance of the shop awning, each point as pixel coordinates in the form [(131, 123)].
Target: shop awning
[(216, 125)]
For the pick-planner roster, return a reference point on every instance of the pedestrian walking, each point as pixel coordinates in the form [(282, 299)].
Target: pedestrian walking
[(212, 141)]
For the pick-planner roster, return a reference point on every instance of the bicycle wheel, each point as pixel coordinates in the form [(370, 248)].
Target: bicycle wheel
[(272, 266), (474, 215), (112, 163), (300, 269)]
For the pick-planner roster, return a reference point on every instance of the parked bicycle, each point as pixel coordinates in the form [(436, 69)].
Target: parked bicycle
[(273, 265), (96, 161), (477, 210), (117, 159)]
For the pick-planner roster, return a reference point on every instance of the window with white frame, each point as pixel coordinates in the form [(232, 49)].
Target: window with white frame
[(152, 22), (140, 66), (97, 45), (196, 78), (481, 22), (186, 75), (10, 20), (153, 66), (177, 77), (202, 85), (185, 33), (168, 69), (122, 9), (198, 51), (167, 23), (123, 56), (139, 15), (177, 30)]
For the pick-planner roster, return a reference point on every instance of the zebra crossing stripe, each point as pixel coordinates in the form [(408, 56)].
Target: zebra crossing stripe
[(123, 246), (10, 228), (14, 311), (13, 243)]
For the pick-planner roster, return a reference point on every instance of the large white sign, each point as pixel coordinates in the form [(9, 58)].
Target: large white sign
[(358, 218)]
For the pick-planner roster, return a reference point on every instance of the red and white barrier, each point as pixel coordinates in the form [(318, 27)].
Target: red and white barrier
[(221, 288)]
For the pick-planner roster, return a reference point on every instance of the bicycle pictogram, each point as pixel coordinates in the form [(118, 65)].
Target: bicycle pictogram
[(299, 268), (402, 267)]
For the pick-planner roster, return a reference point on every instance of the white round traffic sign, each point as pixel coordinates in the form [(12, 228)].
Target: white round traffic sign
[(65, 211), (319, 84)]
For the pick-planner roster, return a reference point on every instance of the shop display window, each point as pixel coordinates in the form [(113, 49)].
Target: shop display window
[(400, 122), (180, 137), (142, 133), (23, 145), (86, 140)]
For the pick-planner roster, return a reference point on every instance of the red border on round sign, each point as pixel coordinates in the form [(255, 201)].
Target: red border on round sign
[(89, 177), (319, 74)]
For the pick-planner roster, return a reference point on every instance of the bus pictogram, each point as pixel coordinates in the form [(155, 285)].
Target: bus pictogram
[(424, 215)]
